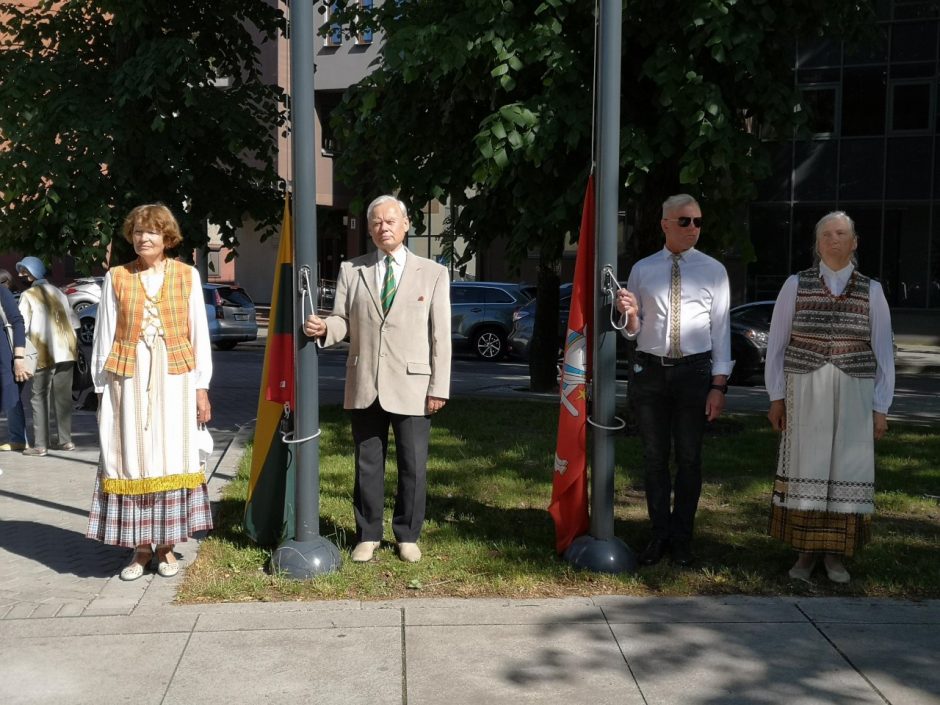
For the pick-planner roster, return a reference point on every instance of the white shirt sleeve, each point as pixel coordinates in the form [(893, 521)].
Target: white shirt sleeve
[(720, 316), (882, 344), (199, 333), (778, 338), (105, 328)]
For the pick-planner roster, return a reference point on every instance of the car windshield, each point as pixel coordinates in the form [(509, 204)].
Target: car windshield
[(758, 316)]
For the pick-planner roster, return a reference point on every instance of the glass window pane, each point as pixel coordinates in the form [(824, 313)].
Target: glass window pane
[(867, 220), (863, 102), (907, 174), (910, 106), (914, 41), (497, 296), (814, 171), (906, 235), (804, 233), (821, 52), (934, 289), (776, 187), (770, 235), (820, 106), (872, 51), (861, 169)]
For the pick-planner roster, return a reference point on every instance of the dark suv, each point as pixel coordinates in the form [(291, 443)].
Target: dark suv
[(481, 315)]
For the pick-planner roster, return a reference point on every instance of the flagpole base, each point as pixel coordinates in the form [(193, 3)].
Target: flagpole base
[(302, 560), (601, 555)]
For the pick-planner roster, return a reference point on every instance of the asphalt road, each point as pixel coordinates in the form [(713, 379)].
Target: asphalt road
[(237, 378)]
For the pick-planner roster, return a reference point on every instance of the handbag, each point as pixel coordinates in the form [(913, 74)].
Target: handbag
[(31, 355)]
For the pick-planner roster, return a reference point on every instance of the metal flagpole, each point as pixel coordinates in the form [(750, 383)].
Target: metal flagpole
[(308, 554), (601, 550)]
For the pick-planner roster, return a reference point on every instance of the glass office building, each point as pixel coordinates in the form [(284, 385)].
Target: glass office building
[(874, 152)]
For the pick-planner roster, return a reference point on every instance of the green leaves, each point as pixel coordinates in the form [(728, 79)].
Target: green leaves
[(108, 104)]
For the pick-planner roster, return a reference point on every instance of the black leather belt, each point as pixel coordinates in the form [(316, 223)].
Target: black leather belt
[(672, 361)]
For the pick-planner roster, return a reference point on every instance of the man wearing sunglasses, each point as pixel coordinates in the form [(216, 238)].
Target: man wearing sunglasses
[(676, 308)]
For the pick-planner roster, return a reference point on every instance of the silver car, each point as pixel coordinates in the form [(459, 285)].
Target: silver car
[(83, 292)]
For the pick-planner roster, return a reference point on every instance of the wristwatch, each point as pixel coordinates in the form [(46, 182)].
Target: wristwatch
[(723, 388)]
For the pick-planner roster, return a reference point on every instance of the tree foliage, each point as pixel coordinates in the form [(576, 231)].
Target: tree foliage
[(106, 104), (490, 102)]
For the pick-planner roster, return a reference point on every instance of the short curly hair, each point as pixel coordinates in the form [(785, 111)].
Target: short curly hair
[(157, 218)]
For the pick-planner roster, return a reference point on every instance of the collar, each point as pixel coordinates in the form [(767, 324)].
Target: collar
[(844, 272), (398, 257), (667, 254)]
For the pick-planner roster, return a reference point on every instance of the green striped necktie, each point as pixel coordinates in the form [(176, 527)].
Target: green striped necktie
[(388, 286)]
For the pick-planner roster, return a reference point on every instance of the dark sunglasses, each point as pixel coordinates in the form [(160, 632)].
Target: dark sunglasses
[(685, 221)]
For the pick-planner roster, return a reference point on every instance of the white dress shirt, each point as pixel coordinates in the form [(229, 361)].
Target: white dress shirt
[(704, 320), (882, 341), (398, 266)]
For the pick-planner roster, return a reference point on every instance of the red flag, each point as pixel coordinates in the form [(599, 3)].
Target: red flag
[(569, 507)]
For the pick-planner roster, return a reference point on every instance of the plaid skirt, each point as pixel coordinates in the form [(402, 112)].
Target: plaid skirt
[(820, 532), (158, 518)]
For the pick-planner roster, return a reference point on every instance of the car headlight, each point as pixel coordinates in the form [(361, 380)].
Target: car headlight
[(519, 314), (758, 337)]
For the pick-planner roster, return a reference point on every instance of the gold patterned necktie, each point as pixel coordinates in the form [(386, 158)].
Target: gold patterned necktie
[(388, 285), (675, 308)]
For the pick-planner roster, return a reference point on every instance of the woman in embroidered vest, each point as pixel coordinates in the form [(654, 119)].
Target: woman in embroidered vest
[(830, 377), (151, 365)]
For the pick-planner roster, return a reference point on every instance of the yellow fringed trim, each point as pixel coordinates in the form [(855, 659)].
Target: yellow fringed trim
[(147, 485)]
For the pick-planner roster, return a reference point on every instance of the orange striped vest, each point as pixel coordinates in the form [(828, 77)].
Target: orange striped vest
[(173, 306)]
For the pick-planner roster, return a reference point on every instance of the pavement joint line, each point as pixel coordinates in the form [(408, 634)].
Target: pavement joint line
[(404, 659), (844, 656), (179, 660), (626, 661)]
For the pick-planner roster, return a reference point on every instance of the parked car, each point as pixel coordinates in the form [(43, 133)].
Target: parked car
[(83, 292), (481, 315), (523, 323), (750, 325), (231, 314), (229, 309)]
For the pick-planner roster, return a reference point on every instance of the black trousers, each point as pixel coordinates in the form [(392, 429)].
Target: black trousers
[(670, 405), (370, 433)]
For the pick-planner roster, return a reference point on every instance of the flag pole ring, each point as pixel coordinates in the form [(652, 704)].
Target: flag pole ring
[(623, 424), (287, 437)]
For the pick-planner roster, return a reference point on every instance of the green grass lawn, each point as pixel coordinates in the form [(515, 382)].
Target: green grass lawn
[(488, 533)]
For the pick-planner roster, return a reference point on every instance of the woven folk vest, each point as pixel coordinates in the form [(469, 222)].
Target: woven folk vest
[(828, 328), (173, 307)]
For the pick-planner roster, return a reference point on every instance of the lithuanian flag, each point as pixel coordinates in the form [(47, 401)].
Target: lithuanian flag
[(269, 511)]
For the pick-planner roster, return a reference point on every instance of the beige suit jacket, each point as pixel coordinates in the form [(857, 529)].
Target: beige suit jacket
[(400, 359)]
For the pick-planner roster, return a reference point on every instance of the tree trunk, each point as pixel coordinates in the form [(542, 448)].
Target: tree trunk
[(543, 351)]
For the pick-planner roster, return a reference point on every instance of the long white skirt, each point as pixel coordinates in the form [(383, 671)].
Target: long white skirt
[(147, 426), (827, 457)]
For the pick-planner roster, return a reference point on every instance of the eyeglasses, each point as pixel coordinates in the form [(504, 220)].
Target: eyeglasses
[(685, 221)]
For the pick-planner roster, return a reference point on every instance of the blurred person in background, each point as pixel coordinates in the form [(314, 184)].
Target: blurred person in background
[(13, 373), (50, 325)]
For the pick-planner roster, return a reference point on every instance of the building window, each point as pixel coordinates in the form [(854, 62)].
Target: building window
[(335, 37), (910, 106), (365, 36), (821, 105), (864, 98)]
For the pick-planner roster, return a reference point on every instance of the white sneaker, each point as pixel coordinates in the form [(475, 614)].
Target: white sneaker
[(364, 550)]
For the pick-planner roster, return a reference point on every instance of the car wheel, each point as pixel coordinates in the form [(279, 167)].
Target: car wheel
[(226, 344), (86, 331), (81, 306), (489, 344)]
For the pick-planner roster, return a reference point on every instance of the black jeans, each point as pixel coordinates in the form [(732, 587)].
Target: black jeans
[(670, 405)]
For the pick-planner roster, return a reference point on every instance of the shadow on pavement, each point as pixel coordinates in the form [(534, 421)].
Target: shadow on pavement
[(61, 550)]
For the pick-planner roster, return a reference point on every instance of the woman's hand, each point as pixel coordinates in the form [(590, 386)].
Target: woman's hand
[(20, 373), (880, 424), (778, 415), (203, 407)]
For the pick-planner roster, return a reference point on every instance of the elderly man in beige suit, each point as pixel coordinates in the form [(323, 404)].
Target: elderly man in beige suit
[(395, 308)]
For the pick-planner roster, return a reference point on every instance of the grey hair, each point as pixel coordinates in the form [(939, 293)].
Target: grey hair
[(677, 201), (385, 199), (6, 279), (832, 215)]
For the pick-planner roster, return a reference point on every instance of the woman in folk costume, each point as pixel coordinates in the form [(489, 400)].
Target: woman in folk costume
[(151, 365), (830, 377)]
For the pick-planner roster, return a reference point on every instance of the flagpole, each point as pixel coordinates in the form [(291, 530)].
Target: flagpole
[(601, 550), (308, 554)]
